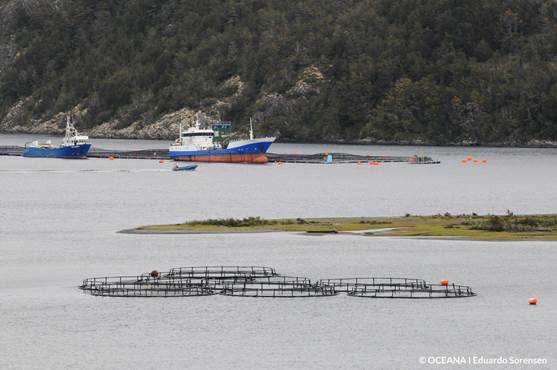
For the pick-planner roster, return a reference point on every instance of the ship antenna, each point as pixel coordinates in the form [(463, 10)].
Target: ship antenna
[(250, 129)]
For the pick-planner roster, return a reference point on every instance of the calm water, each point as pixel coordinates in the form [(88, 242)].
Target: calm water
[(58, 221)]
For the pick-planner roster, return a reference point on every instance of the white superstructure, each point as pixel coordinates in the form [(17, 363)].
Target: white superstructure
[(72, 137), (193, 139)]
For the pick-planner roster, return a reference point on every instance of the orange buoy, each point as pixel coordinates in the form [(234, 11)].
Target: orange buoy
[(464, 161), (484, 161), (533, 301), (444, 282), (161, 160), (469, 158), (376, 163), (475, 161)]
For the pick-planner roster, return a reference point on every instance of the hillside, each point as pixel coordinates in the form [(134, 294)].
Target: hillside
[(407, 71)]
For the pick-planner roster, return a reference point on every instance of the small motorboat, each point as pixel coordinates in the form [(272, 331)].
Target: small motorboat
[(190, 167)]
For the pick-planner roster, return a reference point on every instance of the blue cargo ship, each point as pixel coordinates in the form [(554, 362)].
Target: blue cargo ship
[(73, 146)]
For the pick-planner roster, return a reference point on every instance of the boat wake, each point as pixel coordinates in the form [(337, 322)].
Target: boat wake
[(121, 170)]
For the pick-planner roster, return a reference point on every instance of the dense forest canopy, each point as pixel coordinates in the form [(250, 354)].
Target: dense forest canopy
[(436, 71)]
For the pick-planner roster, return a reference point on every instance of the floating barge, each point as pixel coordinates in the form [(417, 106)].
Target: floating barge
[(263, 282), (319, 158)]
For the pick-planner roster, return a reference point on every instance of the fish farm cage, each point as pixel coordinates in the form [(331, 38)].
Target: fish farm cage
[(276, 287), (265, 282)]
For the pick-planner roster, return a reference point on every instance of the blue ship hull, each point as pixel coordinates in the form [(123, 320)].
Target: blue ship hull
[(254, 148), (74, 151), (250, 153)]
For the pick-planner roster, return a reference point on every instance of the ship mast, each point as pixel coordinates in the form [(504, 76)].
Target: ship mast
[(70, 129), (250, 129)]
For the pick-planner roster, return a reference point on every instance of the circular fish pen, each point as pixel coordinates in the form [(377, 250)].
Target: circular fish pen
[(276, 287), (142, 286), (410, 291), (347, 285), (265, 282), (221, 272)]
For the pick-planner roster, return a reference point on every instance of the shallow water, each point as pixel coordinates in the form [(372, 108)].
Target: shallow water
[(58, 221)]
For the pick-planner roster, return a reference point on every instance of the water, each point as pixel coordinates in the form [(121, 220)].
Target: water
[(57, 226)]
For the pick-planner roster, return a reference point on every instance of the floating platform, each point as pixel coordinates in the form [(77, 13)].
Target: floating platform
[(348, 285), (319, 158), (262, 282), (142, 286), (411, 291), (277, 287), (221, 272)]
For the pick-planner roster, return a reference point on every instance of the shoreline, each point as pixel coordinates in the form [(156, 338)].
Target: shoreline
[(462, 227), (376, 235), (536, 144)]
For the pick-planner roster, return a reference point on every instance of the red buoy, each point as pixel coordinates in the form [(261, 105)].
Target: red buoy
[(533, 301), (444, 282)]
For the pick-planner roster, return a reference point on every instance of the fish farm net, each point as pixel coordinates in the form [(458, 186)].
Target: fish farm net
[(401, 291), (276, 287), (142, 286), (347, 285), (261, 281)]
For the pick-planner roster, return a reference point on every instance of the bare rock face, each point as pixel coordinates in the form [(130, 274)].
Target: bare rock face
[(15, 120), (308, 83), (233, 84), (55, 125), (14, 117), (283, 112), (166, 127)]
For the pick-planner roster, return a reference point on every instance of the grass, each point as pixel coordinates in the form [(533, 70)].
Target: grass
[(508, 227)]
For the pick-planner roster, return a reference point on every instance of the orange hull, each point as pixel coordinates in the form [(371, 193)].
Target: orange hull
[(259, 158)]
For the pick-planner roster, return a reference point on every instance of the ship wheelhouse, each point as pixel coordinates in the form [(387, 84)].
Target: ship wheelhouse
[(195, 138)]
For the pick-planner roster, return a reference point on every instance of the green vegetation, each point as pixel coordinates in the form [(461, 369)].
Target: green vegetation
[(509, 227), (438, 71), (232, 222), (513, 223)]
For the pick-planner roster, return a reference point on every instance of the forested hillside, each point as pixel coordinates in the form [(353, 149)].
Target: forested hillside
[(431, 71)]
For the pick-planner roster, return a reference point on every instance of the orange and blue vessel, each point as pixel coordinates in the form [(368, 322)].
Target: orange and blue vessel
[(197, 144)]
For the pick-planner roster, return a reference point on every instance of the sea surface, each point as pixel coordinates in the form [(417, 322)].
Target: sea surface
[(59, 221)]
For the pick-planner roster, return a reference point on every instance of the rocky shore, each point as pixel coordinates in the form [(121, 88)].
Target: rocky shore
[(167, 127)]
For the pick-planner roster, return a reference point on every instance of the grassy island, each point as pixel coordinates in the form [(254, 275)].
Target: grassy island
[(475, 227)]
